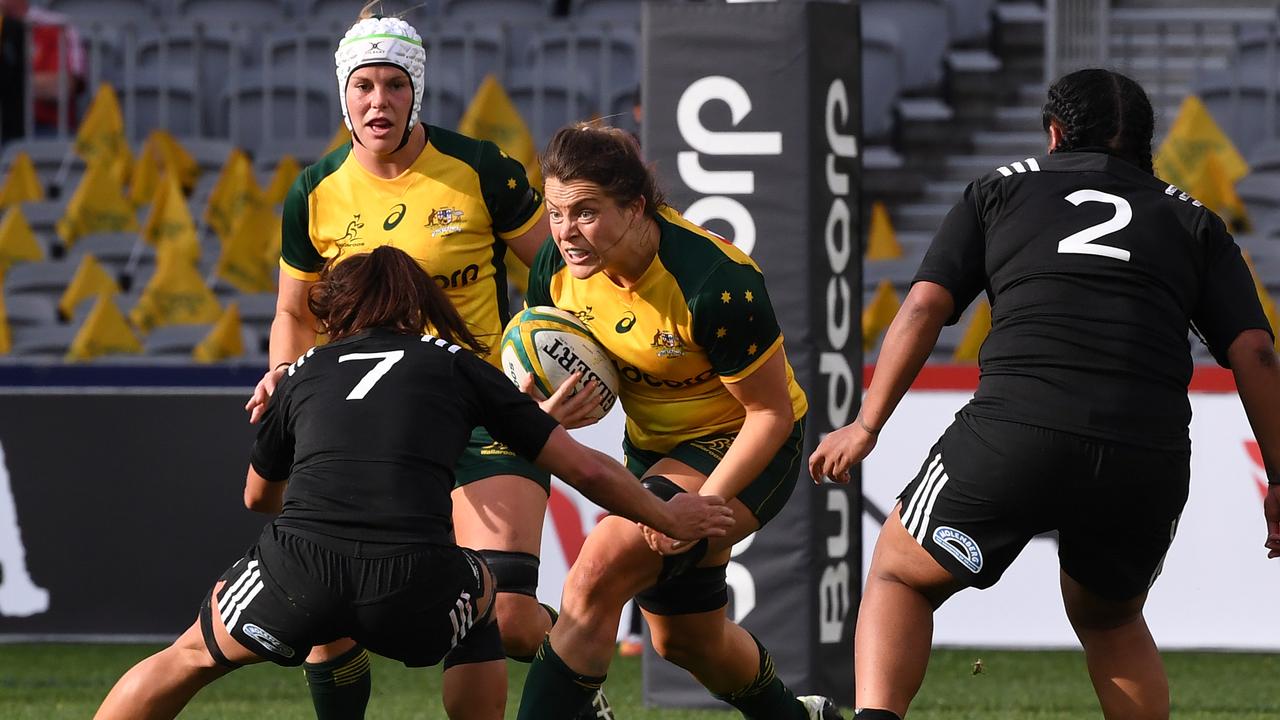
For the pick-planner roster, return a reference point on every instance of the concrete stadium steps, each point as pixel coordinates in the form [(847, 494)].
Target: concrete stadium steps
[(919, 217), (943, 192), (1016, 145), (1017, 118)]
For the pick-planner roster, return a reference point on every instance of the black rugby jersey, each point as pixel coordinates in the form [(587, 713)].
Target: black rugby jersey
[(367, 431), (1094, 270)]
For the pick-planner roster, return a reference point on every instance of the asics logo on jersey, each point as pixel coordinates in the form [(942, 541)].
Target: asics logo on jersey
[(458, 278), (267, 640), (1031, 165), (397, 214), (633, 374), (961, 546), (627, 322)]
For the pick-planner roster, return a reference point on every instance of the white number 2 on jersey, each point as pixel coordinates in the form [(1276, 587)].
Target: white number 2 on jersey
[(1082, 243), (371, 378)]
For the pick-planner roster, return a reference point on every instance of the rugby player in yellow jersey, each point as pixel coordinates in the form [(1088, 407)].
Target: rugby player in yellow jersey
[(456, 205), (712, 407)]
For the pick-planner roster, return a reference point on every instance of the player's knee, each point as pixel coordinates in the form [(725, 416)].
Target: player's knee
[(686, 650), (1089, 611), (1095, 616), (523, 623), (589, 582)]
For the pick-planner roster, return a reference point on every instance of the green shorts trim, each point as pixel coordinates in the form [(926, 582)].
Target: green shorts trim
[(764, 497), (486, 457)]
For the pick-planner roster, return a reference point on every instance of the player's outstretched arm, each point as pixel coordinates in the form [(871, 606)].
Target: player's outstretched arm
[(292, 331), (1257, 373), (607, 483), (907, 344)]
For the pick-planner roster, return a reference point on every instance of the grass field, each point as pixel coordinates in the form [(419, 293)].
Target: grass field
[(47, 682)]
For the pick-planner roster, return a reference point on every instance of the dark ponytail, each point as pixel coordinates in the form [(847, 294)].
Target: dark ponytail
[(1102, 108), (385, 289)]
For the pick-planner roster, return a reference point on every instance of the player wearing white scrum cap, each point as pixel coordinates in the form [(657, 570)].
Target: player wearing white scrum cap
[(458, 206), (382, 41)]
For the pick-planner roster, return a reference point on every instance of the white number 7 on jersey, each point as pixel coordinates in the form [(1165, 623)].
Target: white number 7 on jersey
[(1079, 243), (371, 378)]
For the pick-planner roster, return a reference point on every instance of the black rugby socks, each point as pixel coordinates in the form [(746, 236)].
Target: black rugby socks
[(340, 687)]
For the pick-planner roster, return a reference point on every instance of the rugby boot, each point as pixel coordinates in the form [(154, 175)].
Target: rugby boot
[(599, 709), (820, 708)]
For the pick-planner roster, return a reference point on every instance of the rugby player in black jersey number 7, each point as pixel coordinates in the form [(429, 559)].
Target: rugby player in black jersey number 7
[(460, 207), (356, 452), (1096, 271)]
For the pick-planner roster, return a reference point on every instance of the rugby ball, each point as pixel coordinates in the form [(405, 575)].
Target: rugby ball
[(552, 344)]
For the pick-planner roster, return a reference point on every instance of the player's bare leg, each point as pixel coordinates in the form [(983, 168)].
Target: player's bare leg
[(614, 565), (477, 690), (470, 691), (895, 621), (160, 686), (505, 512), (1124, 662)]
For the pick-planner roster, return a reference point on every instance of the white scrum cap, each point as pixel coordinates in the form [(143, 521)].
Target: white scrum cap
[(382, 40)]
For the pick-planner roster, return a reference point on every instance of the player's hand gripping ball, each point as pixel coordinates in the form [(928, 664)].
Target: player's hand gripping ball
[(552, 344)]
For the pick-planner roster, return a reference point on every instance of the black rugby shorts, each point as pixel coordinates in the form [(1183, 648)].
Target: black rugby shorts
[(989, 486), (294, 590)]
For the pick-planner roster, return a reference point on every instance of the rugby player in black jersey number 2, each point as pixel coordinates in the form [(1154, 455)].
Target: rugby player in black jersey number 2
[(356, 452), (1095, 270)]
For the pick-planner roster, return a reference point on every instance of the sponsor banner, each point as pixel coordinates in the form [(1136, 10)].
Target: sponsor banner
[(119, 510), (1215, 572), (752, 112)]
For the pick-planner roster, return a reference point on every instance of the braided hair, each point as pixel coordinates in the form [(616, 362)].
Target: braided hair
[(1102, 108)]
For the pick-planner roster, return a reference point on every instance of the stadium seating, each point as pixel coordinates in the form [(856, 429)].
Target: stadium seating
[(969, 21), (618, 10), (609, 55), (926, 23), (114, 249), (260, 113), (881, 75), (115, 11), (47, 277), (258, 13), (28, 310), (162, 98), (548, 102), (43, 340), (511, 11)]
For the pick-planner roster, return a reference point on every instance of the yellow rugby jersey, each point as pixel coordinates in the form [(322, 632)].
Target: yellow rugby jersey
[(699, 318), (452, 211)]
